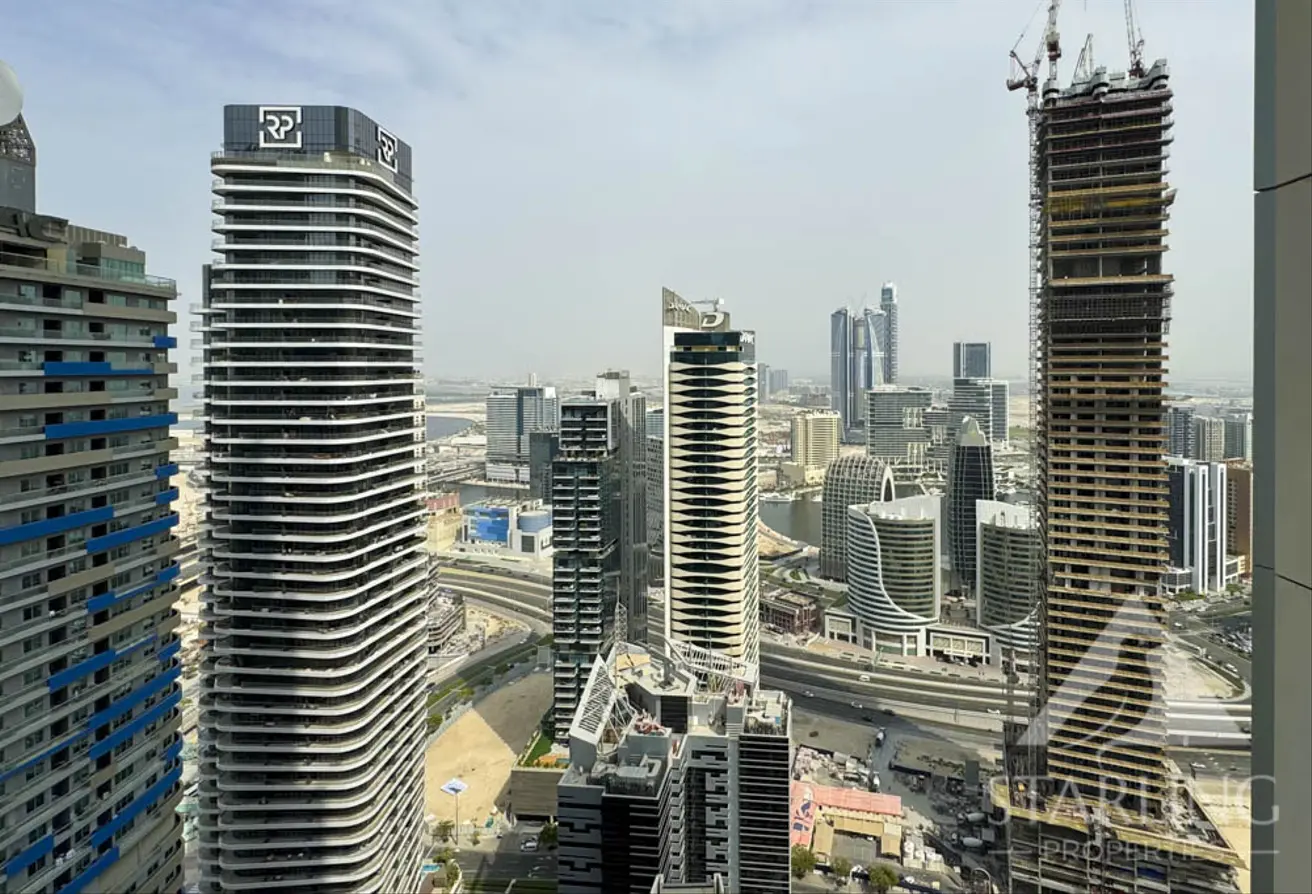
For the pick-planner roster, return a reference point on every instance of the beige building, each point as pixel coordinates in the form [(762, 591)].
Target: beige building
[(814, 441), (712, 574)]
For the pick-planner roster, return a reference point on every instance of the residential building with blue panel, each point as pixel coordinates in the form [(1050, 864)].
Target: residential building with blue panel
[(90, 757)]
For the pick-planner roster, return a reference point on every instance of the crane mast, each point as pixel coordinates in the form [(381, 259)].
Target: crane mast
[(1134, 37), (1027, 76)]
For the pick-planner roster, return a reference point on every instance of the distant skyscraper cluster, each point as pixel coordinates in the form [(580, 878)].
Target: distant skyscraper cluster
[(514, 414), (1192, 435), (972, 360)]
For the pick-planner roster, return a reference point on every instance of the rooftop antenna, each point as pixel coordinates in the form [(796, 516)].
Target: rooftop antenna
[(11, 95)]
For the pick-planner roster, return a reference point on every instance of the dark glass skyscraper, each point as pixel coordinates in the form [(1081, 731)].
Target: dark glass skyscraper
[(970, 479), (856, 362)]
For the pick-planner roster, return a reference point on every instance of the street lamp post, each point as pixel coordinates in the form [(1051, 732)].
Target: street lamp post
[(454, 788)]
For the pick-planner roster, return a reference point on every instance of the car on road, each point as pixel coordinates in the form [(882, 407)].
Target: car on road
[(992, 711), (890, 712), (808, 694), (864, 678), (529, 845)]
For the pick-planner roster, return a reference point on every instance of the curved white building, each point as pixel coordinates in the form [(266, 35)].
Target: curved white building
[(894, 586), (855, 478), (711, 563), (313, 675), (1007, 574)]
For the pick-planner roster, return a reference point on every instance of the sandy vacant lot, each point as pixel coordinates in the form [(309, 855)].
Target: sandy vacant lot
[(481, 747), (1229, 803)]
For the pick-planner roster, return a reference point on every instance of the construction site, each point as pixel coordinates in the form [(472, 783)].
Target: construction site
[(1090, 800)]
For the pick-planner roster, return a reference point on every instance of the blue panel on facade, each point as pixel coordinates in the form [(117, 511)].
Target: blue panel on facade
[(105, 600), (163, 498), (109, 426), (170, 650), (129, 813), (166, 471), (19, 533), (127, 535), (164, 341), (489, 524), (38, 758), (25, 859), (95, 663), (173, 752), (71, 368), (156, 684), (103, 862), (128, 730)]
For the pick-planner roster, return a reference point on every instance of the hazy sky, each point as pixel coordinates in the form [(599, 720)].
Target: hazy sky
[(573, 156)]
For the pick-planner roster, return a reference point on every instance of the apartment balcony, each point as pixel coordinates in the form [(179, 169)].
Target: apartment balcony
[(246, 648), (370, 766), (258, 242), (347, 473), (308, 447), (406, 509), (334, 507), (335, 728), (310, 195), (237, 208), (396, 376), (263, 226), (392, 723), (396, 540), (411, 567), (228, 394), (248, 627)]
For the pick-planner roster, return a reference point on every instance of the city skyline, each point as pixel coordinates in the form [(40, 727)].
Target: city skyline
[(313, 335), (486, 101)]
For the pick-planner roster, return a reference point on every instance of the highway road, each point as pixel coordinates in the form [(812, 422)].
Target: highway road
[(937, 693), (1195, 633)]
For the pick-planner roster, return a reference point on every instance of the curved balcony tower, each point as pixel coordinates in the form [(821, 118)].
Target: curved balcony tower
[(313, 676)]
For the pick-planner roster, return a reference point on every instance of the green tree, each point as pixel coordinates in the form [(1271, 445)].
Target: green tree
[(882, 879), (474, 838), (842, 868), (503, 669), (444, 830), (452, 874), (803, 861), (549, 836)]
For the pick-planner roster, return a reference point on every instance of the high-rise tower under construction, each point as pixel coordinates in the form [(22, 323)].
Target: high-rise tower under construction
[(1096, 747)]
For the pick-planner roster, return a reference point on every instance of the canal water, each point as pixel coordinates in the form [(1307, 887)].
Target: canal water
[(446, 426), (798, 520)]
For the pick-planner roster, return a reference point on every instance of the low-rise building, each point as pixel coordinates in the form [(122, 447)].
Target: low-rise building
[(679, 771), (521, 527), (789, 612)]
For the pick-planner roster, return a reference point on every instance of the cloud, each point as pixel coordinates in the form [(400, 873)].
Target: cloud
[(573, 157)]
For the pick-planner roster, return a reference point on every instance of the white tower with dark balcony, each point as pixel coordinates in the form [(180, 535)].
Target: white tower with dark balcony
[(313, 675)]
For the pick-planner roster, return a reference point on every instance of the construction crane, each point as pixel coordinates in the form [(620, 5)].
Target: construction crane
[(1135, 39), (1027, 76)]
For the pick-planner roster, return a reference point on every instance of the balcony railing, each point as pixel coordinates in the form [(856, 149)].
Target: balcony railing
[(90, 271)]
